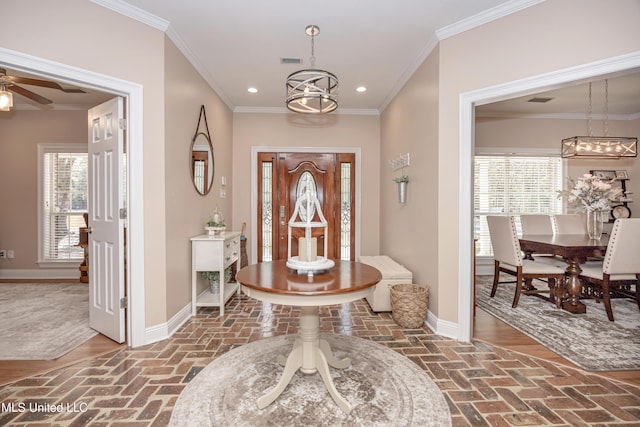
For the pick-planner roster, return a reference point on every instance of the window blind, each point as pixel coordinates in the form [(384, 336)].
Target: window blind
[(513, 185), (65, 196)]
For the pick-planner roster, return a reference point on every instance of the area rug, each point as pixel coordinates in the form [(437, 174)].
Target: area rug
[(43, 321), (588, 340), (383, 387)]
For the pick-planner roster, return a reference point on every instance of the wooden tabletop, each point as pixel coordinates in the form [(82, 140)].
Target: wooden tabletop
[(274, 277), (567, 240)]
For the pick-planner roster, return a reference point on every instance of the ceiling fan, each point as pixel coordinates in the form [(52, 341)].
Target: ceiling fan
[(9, 83)]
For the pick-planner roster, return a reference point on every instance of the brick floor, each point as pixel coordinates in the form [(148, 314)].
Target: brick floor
[(483, 385)]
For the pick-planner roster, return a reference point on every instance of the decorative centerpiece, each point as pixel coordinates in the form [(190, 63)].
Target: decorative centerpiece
[(215, 226), (593, 195), (307, 261)]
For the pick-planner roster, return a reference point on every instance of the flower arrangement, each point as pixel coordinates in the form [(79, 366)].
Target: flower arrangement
[(403, 178), (590, 193)]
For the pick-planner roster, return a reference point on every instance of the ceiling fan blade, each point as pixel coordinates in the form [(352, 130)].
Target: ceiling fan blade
[(28, 94), (38, 82)]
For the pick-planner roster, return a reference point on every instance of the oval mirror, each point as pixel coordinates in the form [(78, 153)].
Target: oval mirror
[(201, 163)]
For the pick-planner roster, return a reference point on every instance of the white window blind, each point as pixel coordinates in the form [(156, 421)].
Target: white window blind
[(513, 185), (64, 197)]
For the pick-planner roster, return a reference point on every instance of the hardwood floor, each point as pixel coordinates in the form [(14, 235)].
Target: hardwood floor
[(13, 370), (493, 331)]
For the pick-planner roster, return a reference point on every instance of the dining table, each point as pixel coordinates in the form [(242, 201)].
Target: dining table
[(575, 250)]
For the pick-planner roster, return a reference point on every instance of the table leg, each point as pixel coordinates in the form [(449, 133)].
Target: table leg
[(572, 304), (310, 354)]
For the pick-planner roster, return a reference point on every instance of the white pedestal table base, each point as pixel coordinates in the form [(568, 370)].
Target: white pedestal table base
[(310, 354)]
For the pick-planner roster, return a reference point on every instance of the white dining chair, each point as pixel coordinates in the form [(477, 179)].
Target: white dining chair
[(536, 224), (508, 259), (569, 224), (539, 224), (620, 270)]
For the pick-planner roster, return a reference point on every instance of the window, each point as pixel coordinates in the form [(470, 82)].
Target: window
[(513, 185), (63, 199)]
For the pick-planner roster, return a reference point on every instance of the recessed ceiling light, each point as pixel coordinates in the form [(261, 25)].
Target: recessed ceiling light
[(252, 90), (361, 89)]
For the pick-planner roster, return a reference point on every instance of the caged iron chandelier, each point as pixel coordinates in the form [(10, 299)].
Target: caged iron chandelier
[(602, 147), (312, 91)]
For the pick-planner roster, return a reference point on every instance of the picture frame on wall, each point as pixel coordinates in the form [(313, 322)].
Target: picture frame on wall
[(622, 174), (604, 174)]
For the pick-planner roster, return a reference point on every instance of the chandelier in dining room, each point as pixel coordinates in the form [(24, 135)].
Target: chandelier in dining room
[(604, 147)]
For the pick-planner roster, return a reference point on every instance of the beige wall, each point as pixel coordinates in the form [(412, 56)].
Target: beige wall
[(20, 133), (82, 34), (409, 231), (288, 130), (499, 52), (186, 210), (506, 50)]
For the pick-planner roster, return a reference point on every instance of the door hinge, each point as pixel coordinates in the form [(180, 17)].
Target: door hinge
[(122, 123), (124, 301), (123, 213)]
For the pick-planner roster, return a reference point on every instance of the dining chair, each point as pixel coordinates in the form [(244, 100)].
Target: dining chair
[(536, 224), (508, 259), (620, 270), (539, 224), (569, 224)]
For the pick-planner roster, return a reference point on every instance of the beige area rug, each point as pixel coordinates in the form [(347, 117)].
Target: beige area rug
[(383, 387), (43, 321), (589, 340)]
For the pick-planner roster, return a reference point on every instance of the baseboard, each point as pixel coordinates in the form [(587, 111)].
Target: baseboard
[(165, 330), (41, 273), (442, 327)]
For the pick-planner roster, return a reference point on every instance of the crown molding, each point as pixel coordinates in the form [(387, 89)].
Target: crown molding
[(485, 17), (558, 116), (402, 80), (195, 61), (133, 12), (283, 110)]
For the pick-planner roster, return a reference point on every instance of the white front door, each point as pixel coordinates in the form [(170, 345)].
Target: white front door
[(106, 248)]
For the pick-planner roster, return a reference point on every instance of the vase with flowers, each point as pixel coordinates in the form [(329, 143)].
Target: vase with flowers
[(593, 195)]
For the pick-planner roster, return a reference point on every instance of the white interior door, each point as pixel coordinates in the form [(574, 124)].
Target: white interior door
[(106, 249)]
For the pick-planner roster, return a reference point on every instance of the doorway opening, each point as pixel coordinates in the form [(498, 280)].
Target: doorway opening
[(132, 93), (468, 102)]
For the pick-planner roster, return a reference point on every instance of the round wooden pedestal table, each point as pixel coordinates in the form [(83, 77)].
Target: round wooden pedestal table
[(275, 283)]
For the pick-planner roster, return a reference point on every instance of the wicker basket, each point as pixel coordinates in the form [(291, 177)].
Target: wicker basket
[(409, 304)]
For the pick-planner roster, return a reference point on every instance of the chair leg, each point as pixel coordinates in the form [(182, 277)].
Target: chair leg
[(496, 274), (552, 289), (519, 280), (606, 296), (638, 290)]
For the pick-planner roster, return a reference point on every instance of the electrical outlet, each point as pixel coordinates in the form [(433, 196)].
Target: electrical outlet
[(3, 253), (10, 254)]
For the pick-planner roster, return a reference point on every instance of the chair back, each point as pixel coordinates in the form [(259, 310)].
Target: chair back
[(569, 224), (623, 249), (504, 240), (536, 224)]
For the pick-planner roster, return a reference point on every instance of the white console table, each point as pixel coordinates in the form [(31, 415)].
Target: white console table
[(214, 253)]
